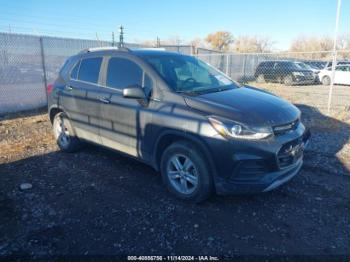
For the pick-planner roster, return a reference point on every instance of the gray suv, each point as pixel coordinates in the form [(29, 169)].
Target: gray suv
[(204, 132)]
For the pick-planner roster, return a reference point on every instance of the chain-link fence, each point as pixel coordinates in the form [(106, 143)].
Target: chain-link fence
[(28, 63), (302, 78), (184, 49)]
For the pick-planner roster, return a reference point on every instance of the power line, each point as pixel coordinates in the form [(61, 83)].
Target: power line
[(43, 19), (47, 25)]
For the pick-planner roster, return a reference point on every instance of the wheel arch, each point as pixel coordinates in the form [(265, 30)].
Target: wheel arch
[(168, 137), (54, 110)]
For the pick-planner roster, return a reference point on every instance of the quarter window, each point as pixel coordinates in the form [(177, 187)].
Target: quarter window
[(147, 85), (122, 73), (90, 69), (74, 72)]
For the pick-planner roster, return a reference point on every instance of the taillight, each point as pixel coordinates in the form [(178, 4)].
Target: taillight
[(49, 88)]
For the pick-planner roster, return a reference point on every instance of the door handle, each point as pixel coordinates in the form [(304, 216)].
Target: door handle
[(105, 100)]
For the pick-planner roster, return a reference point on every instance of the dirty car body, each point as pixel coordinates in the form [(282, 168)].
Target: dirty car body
[(161, 107)]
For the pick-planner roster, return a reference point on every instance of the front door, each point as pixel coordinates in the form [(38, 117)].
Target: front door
[(123, 120), (342, 75)]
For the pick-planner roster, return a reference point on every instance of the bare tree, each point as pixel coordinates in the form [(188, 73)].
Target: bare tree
[(174, 40), (197, 42), (250, 44), (343, 42), (220, 40), (312, 45), (151, 43)]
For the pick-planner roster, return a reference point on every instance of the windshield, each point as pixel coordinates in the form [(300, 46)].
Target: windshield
[(187, 74)]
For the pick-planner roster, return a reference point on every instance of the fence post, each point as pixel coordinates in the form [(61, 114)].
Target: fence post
[(244, 68), (227, 57), (43, 65), (334, 61)]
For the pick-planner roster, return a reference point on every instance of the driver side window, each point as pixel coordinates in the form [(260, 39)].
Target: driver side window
[(122, 72)]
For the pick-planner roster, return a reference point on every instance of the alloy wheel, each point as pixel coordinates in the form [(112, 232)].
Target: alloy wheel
[(182, 174)]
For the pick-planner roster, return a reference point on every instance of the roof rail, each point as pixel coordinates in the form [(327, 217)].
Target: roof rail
[(149, 48), (104, 48)]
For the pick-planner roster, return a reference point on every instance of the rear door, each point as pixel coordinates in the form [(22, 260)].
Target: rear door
[(269, 70), (81, 98), (347, 75), (123, 121)]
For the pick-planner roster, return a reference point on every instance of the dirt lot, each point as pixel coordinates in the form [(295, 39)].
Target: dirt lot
[(98, 202)]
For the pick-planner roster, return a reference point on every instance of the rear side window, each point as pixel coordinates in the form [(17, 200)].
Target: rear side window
[(74, 72), (266, 64), (122, 72), (90, 69)]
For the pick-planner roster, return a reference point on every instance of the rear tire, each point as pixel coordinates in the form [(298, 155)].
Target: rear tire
[(185, 172), (326, 81), (260, 79), (64, 133)]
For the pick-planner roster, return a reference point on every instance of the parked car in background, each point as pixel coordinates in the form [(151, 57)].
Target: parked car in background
[(315, 71), (204, 132), (315, 64), (342, 75), (284, 71), (329, 64)]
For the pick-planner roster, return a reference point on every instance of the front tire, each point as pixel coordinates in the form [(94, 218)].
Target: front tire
[(288, 80), (185, 172), (64, 133), (326, 81)]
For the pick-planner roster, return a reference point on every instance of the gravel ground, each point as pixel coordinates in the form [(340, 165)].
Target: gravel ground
[(99, 202)]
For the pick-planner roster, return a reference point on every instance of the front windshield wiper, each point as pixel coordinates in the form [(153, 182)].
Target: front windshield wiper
[(215, 90), (191, 93), (203, 91)]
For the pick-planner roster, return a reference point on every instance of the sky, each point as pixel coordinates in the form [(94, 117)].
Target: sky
[(282, 21)]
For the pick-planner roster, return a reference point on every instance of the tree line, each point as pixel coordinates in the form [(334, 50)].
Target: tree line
[(224, 41)]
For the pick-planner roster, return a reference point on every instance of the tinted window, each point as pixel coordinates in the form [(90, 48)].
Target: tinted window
[(122, 72), (74, 72), (267, 64), (65, 66), (188, 74), (89, 69), (343, 68)]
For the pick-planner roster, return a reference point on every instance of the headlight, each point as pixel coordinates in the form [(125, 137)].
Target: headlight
[(298, 74), (231, 129)]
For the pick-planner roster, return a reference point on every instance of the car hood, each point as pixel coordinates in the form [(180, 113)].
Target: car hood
[(246, 105)]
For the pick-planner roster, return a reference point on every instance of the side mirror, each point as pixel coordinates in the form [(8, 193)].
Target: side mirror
[(134, 92)]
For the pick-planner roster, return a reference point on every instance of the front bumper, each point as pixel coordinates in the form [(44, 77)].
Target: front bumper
[(254, 167), (302, 80)]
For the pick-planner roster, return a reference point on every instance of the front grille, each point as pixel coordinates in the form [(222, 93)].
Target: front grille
[(282, 129), (290, 153)]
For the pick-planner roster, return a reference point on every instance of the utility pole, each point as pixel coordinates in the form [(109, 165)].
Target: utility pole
[(112, 38), (121, 36), (98, 40), (158, 42), (334, 56)]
